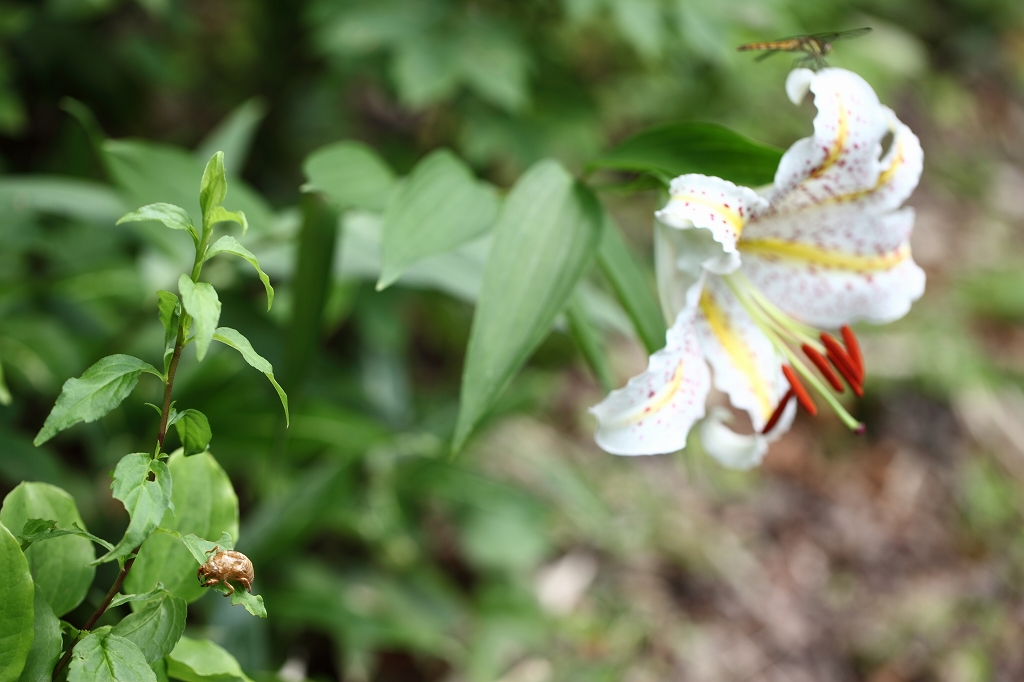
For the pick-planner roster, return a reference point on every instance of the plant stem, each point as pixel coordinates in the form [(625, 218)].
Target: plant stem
[(119, 581)]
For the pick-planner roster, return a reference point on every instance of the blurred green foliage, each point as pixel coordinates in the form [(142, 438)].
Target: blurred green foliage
[(378, 556)]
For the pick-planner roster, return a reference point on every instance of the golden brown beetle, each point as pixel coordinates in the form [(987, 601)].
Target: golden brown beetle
[(226, 565)]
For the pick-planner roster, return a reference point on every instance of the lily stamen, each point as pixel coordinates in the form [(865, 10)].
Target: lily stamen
[(799, 391), (854, 348), (842, 362), (777, 414), (822, 364)]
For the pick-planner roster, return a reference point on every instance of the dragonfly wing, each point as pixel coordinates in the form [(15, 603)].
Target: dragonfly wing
[(762, 57), (841, 35)]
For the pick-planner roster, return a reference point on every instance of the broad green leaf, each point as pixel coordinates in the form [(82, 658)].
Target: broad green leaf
[(16, 612), (194, 431), (37, 530), (103, 656), (155, 627), (46, 642), (677, 148), (219, 214), (60, 566), (230, 337), (234, 135), (200, 660), (95, 393), (311, 283), (170, 215), (253, 603), (351, 174), (229, 244), (494, 65), (82, 199), (631, 286), (546, 236), (201, 549), (204, 504), (167, 304), (589, 341), (213, 188), (201, 303), (143, 484), (440, 206)]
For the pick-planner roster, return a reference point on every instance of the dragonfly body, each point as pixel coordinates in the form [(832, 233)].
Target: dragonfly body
[(815, 47)]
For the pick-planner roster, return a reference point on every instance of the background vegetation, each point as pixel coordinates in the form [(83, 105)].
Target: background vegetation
[(532, 556)]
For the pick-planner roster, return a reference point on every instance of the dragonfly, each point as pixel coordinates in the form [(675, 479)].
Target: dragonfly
[(816, 47)]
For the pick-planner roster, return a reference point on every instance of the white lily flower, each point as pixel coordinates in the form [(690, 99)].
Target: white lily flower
[(751, 280)]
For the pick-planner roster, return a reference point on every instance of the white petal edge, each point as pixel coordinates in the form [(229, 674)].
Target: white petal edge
[(714, 204), (740, 451), (798, 84), (654, 412)]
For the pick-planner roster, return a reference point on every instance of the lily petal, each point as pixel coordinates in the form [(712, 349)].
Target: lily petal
[(700, 201), (842, 157), (746, 365), (653, 413), (835, 264), (740, 451), (681, 259)]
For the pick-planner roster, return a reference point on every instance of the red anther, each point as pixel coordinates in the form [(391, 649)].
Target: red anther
[(860, 430), (799, 391), (854, 349), (837, 354), (843, 365), (777, 414), (822, 364)]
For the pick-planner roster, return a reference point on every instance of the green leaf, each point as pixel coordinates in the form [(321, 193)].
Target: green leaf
[(37, 530), (253, 603), (167, 304), (103, 656), (201, 302), (46, 642), (200, 660), (589, 341), (234, 135), (145, 596), (213, 188), (98, 391), (204, 504), (80, 199), (230, 337), (5, 393), (311, 283), (170, 215), (228, 244), (546, 236), (677, 148), (351, 174), (201, 549), (219, 214), (143, 484), (60, 566), (156, 627), (440, 206), (194, 431), (631, 286), (16, 612)]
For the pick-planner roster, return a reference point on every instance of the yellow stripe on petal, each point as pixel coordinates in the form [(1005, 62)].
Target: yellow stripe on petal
[(814, 255), (883, 178), (739, 355), (842, 132), (726, 213), (659, 400)]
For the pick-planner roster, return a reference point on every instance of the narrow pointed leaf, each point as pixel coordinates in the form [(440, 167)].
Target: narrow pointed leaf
[(673, 149), (201, 303), (99, 390), (234, 135), (170, 215), (213, 188), (588, 339), (230, 337), (631, 286), (440, 206), (103, 656), (229, 244), (219, 214), (16, 612), (60, 564), (546, 236), (145, 500), (351, 174)]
